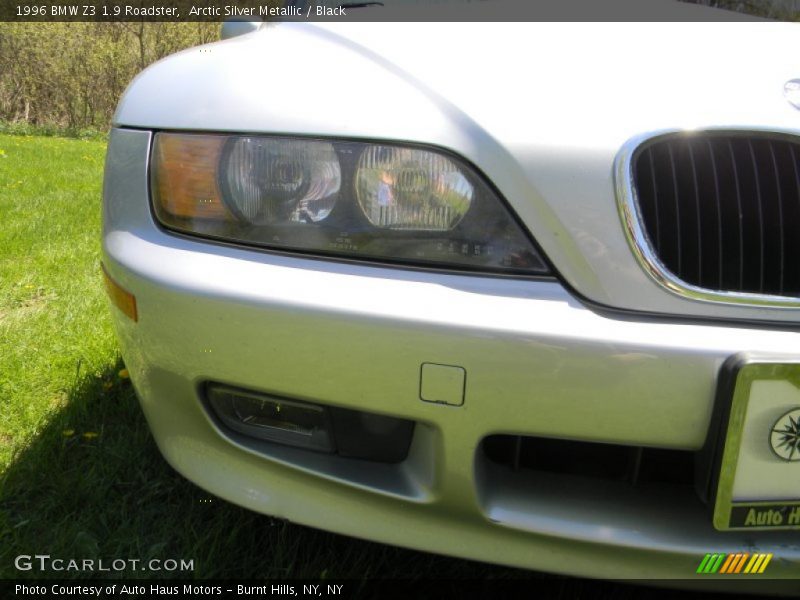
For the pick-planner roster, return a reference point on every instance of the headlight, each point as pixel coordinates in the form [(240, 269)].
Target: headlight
[(383, 202)]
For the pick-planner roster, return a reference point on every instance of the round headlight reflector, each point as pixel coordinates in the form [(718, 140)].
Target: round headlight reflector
[(273, 180), (411, 189)]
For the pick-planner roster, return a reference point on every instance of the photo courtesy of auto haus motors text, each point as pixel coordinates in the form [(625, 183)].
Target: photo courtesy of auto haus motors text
[(138, 590)]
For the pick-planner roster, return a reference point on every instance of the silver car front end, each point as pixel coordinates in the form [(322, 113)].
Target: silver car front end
[(602, 354)]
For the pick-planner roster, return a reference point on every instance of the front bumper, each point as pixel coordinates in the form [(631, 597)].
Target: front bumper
[(537, 363)]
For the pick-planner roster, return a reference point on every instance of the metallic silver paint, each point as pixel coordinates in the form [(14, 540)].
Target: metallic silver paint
[(542, 116), (539, 363)]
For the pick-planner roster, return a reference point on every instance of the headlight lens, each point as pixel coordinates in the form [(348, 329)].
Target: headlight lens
[(383, 202), (402, 188), (273, 180)]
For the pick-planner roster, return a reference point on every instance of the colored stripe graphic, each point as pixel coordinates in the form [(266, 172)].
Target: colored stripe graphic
[(703, 563), (740, 564), (736, 562), (727, 564), (717, 564), (731, 564), (764, 564), (751, 566), (711, 563)]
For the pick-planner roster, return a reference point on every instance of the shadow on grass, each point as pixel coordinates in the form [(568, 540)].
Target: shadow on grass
[(93, 485)]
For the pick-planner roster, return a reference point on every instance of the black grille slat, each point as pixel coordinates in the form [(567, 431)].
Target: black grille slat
[(796, 173), (696, 190), (677, 205), (751, 225), (720, 209), (655, 200), (739, 217), (791, 206), (759, 204), (717, 204), (707, 214), (779, 204)]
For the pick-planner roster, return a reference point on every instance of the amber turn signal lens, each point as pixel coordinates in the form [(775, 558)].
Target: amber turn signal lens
[(185, 176), (120, 297)]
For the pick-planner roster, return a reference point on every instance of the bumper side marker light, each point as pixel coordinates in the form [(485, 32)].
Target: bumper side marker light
[(120, 297)]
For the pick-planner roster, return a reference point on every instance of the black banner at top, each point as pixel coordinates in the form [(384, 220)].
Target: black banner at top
[(383, 10)]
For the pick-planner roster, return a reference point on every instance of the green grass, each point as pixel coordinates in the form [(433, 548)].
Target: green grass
[(54, 327), (80, 476)]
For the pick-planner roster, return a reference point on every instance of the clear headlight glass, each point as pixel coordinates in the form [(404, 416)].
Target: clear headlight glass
[(272, 180), (384, 202), (401, 188)]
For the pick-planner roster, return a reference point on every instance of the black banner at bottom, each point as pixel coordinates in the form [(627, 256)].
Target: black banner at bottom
[(544, 587)]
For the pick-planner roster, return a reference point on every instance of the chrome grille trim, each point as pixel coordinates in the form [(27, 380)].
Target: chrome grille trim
[(647, 256)]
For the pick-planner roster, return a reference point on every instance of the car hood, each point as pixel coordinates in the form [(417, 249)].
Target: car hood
[(591, 83), (543, 109)]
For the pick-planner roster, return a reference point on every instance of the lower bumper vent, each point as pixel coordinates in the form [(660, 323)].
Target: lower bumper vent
[(635, 465)]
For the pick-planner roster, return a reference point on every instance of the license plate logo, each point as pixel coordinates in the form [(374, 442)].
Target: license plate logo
[(785, 436)]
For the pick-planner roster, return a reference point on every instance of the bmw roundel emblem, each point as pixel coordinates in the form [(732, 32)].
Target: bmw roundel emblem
[(791, 91), (784, 437)]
